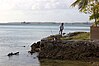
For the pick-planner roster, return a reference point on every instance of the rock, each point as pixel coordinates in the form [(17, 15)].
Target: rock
[(37, 50), (31, 52), (54, 48), (11, 54), (17, 53)]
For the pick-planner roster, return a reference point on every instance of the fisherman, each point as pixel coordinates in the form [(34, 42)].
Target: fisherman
[(61, 28)]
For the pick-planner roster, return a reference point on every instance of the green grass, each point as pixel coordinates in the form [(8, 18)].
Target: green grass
[(83, 36), (79, 36), (49, 62)]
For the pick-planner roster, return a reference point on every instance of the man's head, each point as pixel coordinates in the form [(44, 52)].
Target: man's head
[(62, 23)]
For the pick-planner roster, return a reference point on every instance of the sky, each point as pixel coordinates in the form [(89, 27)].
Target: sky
[(40, 11)]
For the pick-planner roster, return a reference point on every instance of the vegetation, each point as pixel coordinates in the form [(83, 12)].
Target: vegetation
[(77, 36), (89, 6)]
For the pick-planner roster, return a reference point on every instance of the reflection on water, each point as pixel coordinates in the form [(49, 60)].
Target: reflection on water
[(14, 37)]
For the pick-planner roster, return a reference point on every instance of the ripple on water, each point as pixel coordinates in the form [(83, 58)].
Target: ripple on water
[(23, 59)]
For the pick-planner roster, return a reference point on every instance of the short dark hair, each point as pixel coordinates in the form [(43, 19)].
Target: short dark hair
[(62, 23)]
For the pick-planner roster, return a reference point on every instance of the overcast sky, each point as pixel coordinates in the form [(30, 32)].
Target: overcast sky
[(40, 11)]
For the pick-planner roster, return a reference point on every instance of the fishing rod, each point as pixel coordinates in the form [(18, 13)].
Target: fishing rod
[(51, 30)]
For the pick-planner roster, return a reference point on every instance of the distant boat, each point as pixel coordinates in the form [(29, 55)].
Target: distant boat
[(25, 22)]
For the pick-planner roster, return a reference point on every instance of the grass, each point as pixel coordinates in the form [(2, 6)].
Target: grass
[(83, 36), (79, 36), (49, 62)]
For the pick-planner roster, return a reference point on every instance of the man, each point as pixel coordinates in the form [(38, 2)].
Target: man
[(61, 28)]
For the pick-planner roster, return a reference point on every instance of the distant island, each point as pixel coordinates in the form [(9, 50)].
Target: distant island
[(30, 23)]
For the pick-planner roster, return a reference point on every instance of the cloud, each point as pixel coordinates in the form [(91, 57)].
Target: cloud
[(5, 5), (39, 10), (49, 4), (34, 4), (44, 16)]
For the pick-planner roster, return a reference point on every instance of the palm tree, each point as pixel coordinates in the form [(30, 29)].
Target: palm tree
[(88, 6), (82, 4), (95, 14)]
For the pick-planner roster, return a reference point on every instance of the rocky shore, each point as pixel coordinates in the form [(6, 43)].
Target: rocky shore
[(63, 48)]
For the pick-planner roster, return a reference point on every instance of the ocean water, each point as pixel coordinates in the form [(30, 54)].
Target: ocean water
[(14, 37)]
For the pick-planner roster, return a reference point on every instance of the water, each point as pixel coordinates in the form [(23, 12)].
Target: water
[(14, 37)]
